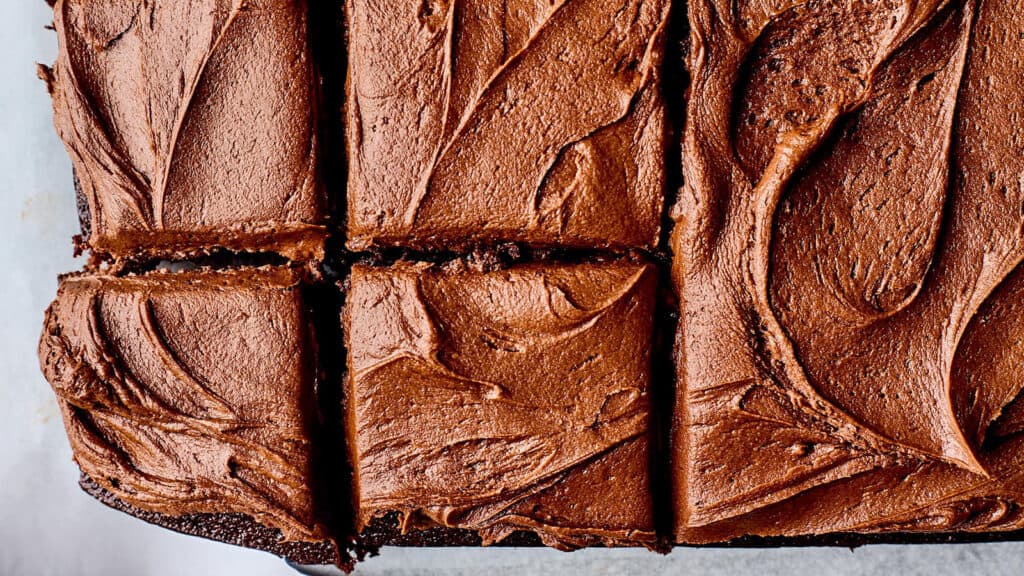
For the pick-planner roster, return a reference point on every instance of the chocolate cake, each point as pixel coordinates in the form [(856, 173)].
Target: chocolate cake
[(612, 273), (173, 153), (191, 393), (849, 277), (531, 121), (503, 401)]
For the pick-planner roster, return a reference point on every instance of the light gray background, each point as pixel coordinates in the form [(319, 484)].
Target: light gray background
[(48, 526)]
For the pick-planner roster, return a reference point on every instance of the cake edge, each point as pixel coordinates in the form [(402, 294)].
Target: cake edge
[(230, 528)]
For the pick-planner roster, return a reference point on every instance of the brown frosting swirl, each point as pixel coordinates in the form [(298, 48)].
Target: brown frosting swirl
[(847, 251), (189, 393), (191, 124), (526, 120), (503, 401)]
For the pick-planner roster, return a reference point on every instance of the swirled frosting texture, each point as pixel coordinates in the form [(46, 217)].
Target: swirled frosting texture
[(189, 393), (848, 244), (537, 121), (503, 401), (191, 124)]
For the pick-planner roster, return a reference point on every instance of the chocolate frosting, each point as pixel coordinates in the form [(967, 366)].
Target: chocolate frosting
[(191, 124), (527, 120), (503, 401), (189, 393), (847, 249), (847, 258)]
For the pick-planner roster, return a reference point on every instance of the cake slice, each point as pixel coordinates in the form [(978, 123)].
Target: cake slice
[(480, 122), (191, 125), (502, 402), (189, 400), (847, 260)]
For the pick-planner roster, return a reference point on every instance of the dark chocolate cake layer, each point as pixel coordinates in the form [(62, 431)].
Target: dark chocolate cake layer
[(189, 393), (503, 401), (847, 261), (192, 125), (528, 120), (388, 531), (231, 528)]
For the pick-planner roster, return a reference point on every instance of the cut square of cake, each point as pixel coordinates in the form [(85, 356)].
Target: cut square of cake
[(515, 400), (192, 393), (192, 125), (530, 121)]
